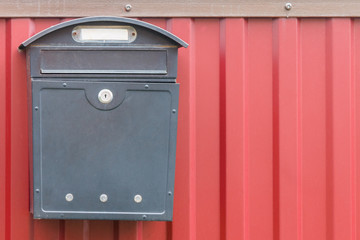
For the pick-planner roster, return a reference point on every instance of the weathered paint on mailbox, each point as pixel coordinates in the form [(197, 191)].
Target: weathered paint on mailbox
[(268, 141)]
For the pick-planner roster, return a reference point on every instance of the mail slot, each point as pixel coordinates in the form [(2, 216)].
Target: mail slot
[(103, 107)]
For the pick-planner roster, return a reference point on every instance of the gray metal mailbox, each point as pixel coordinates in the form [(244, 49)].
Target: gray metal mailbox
[(103, 103)]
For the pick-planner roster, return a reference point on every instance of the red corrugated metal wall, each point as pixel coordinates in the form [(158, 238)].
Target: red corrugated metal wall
[(268, 136)]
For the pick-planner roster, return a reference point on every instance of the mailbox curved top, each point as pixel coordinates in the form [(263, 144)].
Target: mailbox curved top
[(59, 26)]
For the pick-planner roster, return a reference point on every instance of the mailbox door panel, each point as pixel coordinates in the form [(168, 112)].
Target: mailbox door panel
[(95, 160)]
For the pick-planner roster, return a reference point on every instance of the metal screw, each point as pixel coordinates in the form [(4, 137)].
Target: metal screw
[(174, 111), (138, 198), (144, 216), (37, 190), (69, 197), (64, 84), (36, 108), (146, 86), (103, 198), (169, 193), (128, 7), (288, 6)]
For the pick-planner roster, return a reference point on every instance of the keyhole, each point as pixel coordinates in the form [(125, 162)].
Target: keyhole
[(105, 96)]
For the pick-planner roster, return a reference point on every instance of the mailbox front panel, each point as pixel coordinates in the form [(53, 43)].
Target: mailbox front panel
[(95, 160)]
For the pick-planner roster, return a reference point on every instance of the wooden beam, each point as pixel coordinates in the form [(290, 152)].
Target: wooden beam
[(173, 8)]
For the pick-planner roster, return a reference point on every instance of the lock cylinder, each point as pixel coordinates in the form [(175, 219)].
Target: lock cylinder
[(105, 96)]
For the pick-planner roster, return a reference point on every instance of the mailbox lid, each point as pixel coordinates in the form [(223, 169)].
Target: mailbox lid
[(145, 64), (112, 47), (146, 33)]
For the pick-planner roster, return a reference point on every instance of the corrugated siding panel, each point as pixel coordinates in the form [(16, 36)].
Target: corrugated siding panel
[(268, 136)]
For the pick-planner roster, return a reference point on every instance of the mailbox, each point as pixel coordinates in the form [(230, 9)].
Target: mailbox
[(103, 106)]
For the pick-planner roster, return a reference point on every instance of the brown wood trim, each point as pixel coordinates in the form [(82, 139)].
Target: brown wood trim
[(173, 8)]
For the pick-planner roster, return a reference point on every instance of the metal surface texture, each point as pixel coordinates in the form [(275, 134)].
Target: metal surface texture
[(268, 134), (180, 8), (88, 148)]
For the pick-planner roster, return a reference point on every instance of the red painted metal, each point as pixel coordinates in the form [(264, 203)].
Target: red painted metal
[(3, 212), (268, 136)]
